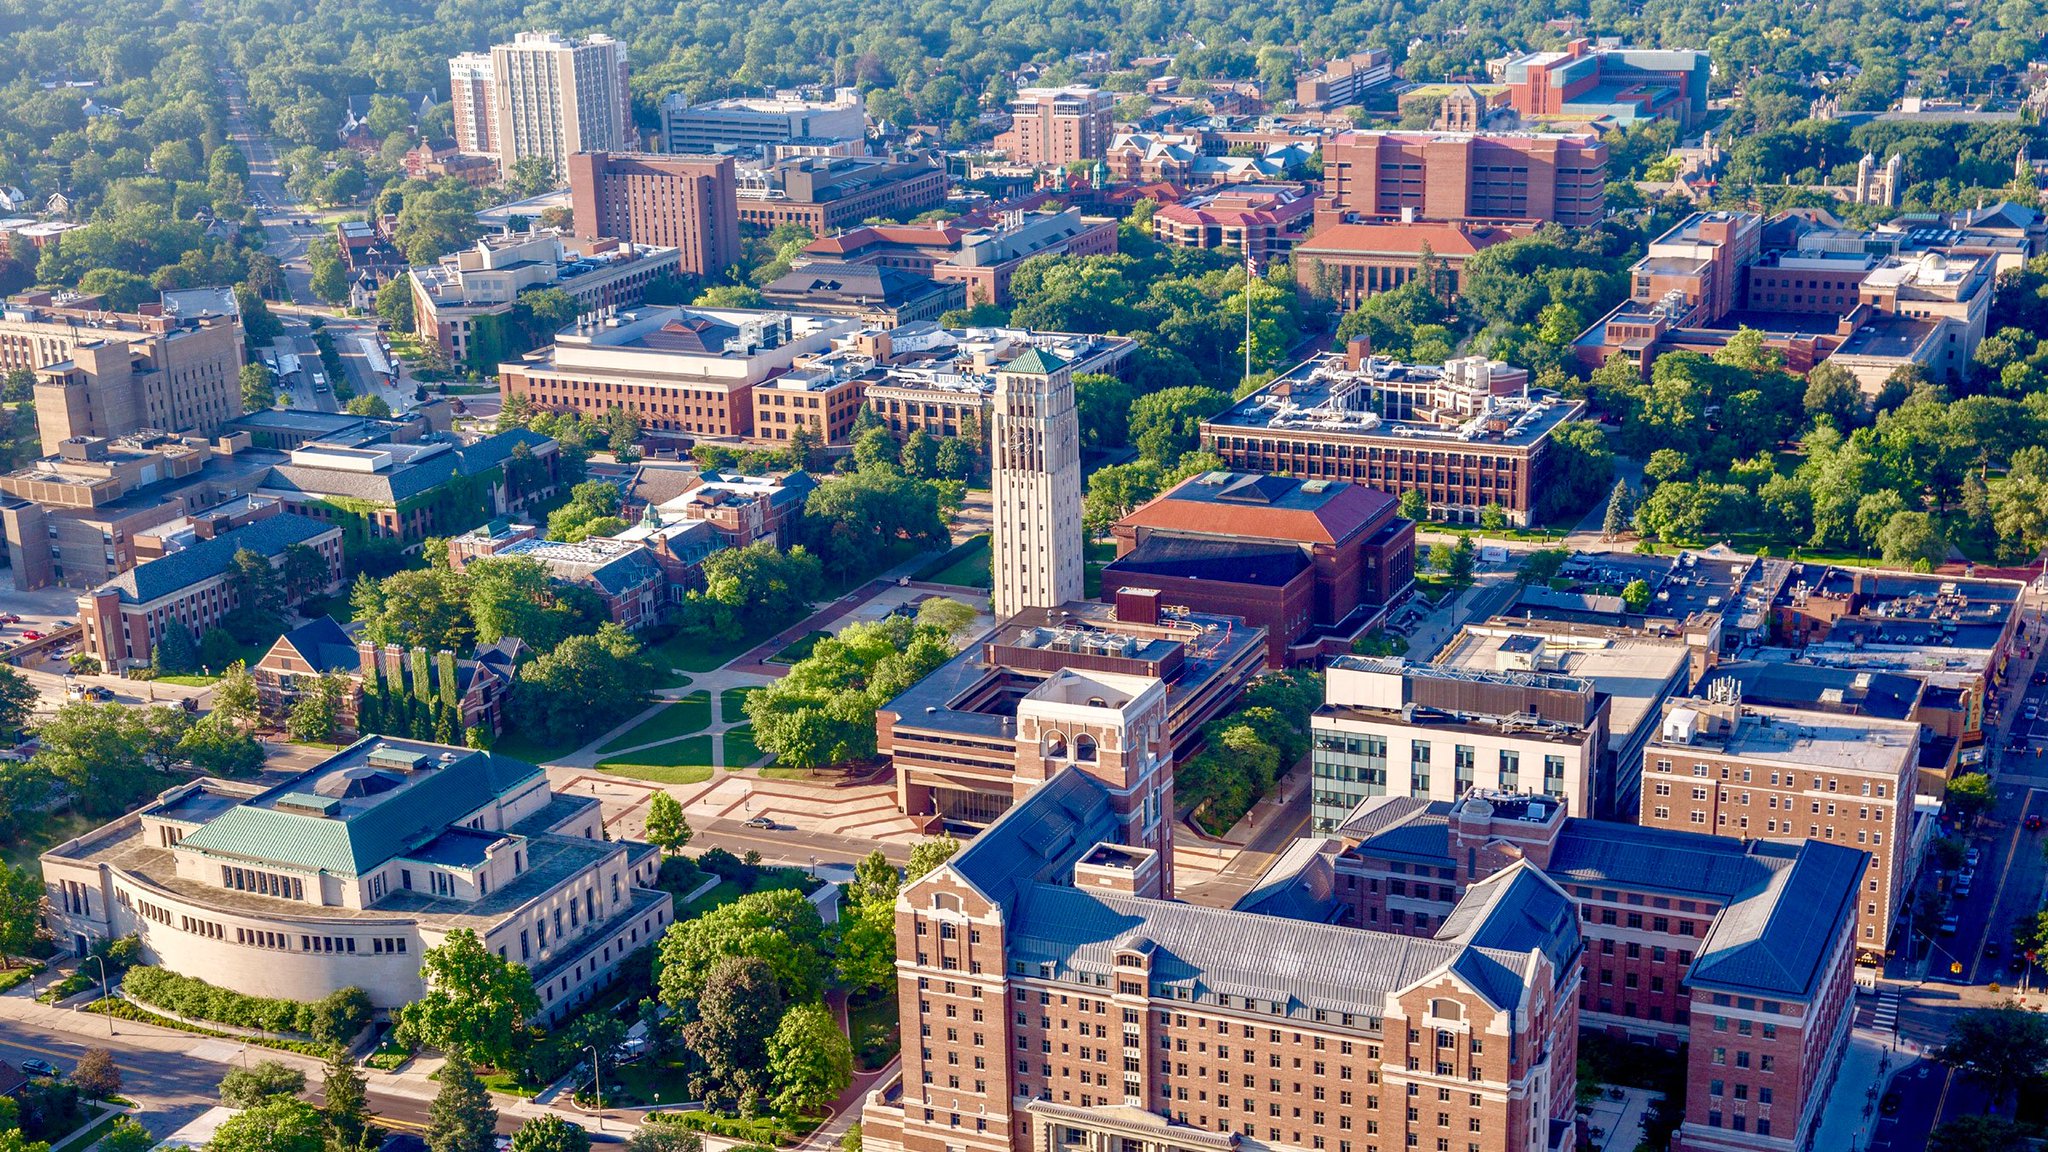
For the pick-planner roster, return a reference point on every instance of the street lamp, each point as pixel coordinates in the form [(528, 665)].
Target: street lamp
[(597, 1084), (104, 993)]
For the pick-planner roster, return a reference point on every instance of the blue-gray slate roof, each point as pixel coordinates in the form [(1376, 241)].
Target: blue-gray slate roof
[(205, 559)]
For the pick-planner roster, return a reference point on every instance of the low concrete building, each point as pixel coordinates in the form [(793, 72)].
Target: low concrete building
[(344, 874), (462, 303), (874, 294)]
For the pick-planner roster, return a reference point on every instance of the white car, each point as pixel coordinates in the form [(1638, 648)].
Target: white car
[(757, 822), (1963, 886), (1970, 859)]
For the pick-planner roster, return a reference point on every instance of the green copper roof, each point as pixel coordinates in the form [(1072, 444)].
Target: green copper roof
[(365, 831), (1035, 362)]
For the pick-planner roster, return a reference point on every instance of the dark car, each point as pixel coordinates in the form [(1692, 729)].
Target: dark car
[(2033, 823), (1889, 1105), (36, 1067)]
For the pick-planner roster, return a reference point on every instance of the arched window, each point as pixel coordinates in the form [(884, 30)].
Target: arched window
[(1084, 749), (1055, 745), (1447, 1009), (946, 901)]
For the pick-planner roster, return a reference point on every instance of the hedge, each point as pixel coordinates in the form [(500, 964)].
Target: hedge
[(334, 1019), (127, 1010)]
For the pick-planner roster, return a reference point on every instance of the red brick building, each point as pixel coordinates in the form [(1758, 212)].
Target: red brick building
[(1351, 262), (193, 587), (1478, 176), (1741, 950), (827, 193), (683, 202), (983, 259), (1300, 558), (1266, 220), (1617, 86), (1061, 1000)]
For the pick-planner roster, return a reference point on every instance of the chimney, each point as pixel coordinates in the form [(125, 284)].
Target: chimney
[(1356, 352)]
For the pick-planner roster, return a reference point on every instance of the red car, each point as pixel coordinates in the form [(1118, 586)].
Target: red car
[(31, 635), (10, 618)]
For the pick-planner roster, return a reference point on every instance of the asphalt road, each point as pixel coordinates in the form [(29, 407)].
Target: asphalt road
[(172, 1087)]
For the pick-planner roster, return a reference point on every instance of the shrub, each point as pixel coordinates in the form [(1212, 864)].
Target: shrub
[(332, 1019)]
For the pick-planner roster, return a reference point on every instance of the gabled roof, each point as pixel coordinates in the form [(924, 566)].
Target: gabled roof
[(206, 559), (323, 644), (1515, 910), (1779, 937)]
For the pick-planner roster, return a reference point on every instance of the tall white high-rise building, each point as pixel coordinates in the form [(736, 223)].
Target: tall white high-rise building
[(1036, 481), (472, 91), (555, 97)]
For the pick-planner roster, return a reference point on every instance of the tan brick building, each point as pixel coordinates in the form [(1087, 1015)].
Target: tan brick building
[(1055, 997), (1741, 950), (1058, 125), (1484, 176), (1779, 774)]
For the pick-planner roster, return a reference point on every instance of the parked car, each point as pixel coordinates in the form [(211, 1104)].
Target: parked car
[(31, 635), (1950, 923), (102, 694), (9, 618), (36, 1067), (1889, 1104), (1970, 858), (758, 822), (1963, 886)]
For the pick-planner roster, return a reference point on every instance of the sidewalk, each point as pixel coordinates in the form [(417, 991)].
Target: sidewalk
[(1851, 1109)]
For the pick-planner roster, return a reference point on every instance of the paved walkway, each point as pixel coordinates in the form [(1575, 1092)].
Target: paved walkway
[(1851, 1110)]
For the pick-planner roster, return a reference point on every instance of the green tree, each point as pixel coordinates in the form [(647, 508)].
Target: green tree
[(96, 750), (315, 715), (347, 1100), (1978, 1134), (214, 746), (176, 653), (23, 904), (275, 1125), (394, 303), (125, 1135), (550, 1133), (665, 826), (1620, 505), (1462, 562), (461, 1118), (780, 928), (1636, 594), (810, 1060), (259, 386), (741, 1005), (928, 854), (2005, 1049), (1970, 795), (18, 699), (96, 1075), (368, 404), (1912, 539), (585, 686), (1413, 505), (475, 1003), (1165, 425), (262, 1081)]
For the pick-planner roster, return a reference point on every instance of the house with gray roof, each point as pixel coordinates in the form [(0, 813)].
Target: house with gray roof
[(345, 873)]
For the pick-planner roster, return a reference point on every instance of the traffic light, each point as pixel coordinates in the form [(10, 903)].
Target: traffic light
[(1955, 968)]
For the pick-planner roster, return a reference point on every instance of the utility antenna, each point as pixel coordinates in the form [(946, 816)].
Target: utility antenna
[(1251, 273)]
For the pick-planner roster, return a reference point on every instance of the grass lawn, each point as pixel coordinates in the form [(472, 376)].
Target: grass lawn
[(732, 704), (86, 1135), (740, 749), (1100, 552), (193, 680), (799, 648), (967, 565), (659, 773), (520, 746), (506, 1082), (695, 654), (690, 714), (725, 893), (645, 1082)]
